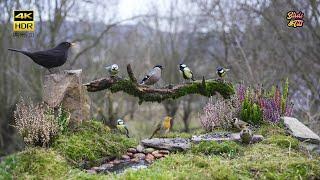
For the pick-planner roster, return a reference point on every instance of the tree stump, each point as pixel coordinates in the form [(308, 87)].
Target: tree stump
[(66, 89)]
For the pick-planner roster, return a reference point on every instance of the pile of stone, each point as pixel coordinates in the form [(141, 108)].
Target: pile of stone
[(133, 155)]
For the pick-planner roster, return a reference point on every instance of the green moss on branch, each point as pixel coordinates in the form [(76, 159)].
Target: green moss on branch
[(146, 93)]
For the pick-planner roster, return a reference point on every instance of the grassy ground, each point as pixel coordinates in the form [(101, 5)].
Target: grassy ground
[(277, 157)]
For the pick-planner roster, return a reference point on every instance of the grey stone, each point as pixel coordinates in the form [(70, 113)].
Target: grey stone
[(140, 148), (171, 144), (148, 150), (300, 131)]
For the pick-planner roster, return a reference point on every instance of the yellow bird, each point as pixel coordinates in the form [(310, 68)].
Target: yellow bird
[(163, 126)]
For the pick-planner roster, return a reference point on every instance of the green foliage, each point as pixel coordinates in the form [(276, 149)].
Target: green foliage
[(250, 111), (284, 96), (283, 141), (90, 142), (228, 148)]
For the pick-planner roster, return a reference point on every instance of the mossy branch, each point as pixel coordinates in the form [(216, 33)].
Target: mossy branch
[(203, 87)]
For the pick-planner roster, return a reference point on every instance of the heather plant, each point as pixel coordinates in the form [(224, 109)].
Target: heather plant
[(219, 113), (38, 124)]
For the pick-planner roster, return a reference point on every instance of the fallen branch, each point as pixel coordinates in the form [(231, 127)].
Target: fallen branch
[(147, 93)]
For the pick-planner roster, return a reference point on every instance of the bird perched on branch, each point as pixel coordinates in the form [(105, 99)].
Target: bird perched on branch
[(163, 126), (246, 135), (50, 58), (186, 72), (112, 69), (221, 71), (122, 127), (153, 76), (237, 123)]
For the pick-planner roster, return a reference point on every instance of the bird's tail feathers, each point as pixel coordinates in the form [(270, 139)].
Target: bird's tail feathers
[(16, 50)]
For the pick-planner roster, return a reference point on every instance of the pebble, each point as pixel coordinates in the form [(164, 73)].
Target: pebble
[(132, 150), (130, 154), (140, 148), (135, 160), (155, 152), (125, 157), (148, 150), (139, 155), (149, 158), (164, 151), (91, 171)]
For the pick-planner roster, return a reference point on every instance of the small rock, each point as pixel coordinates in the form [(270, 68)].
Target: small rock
[(149, 158), (135, 160), (164, 151), (157, 156), (148, 150), (91, 171), (116, 162), (132, 150), (95, 168), (125, 157), (139, 155), (140, 148), (155, 152), (130, 154)]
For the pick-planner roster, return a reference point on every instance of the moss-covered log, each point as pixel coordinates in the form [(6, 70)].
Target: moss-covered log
[(147, 93)]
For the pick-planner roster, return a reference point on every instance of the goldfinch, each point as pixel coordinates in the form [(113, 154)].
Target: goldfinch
[(122, 127), (112, 69), (237, 123), (221, 71), (246, 135), (153, 76), (186, 72), (163, 126)]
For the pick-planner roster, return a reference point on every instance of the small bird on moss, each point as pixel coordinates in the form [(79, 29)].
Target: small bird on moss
[(186, 72), (221, 71), (113, 69), (50, 58), (246, 135), (163, 126), (122, 127), (153, 76), (237, 123)]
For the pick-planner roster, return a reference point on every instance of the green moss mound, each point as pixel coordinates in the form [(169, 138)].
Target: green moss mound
[(90, 142), (228, 148)]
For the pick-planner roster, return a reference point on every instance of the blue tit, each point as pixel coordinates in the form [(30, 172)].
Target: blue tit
[(221, 71), (153, 76), (122, 127), (246, 135), (112, 69), (186, 72)]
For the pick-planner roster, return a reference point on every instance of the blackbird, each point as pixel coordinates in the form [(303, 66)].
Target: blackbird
[(50, 58)]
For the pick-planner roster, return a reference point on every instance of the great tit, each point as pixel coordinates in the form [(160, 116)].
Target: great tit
[(163, 126), (112, 69), (153, 76), (186, 72), (221, 71), (122, 127)]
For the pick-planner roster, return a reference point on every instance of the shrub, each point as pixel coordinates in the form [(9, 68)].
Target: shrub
[(228, 148), (250, 111), (34, 124), (219, 113), (38, 123)]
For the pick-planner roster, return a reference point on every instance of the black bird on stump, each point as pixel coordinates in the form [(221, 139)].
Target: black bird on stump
[(50, 58)]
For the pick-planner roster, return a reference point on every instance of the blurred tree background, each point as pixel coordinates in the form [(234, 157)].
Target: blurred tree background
[(250, 37)]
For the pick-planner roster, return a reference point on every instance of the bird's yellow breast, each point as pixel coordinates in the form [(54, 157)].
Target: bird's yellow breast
[(166, 124)]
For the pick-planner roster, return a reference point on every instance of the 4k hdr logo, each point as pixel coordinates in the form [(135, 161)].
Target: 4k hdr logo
[(23, 21)]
